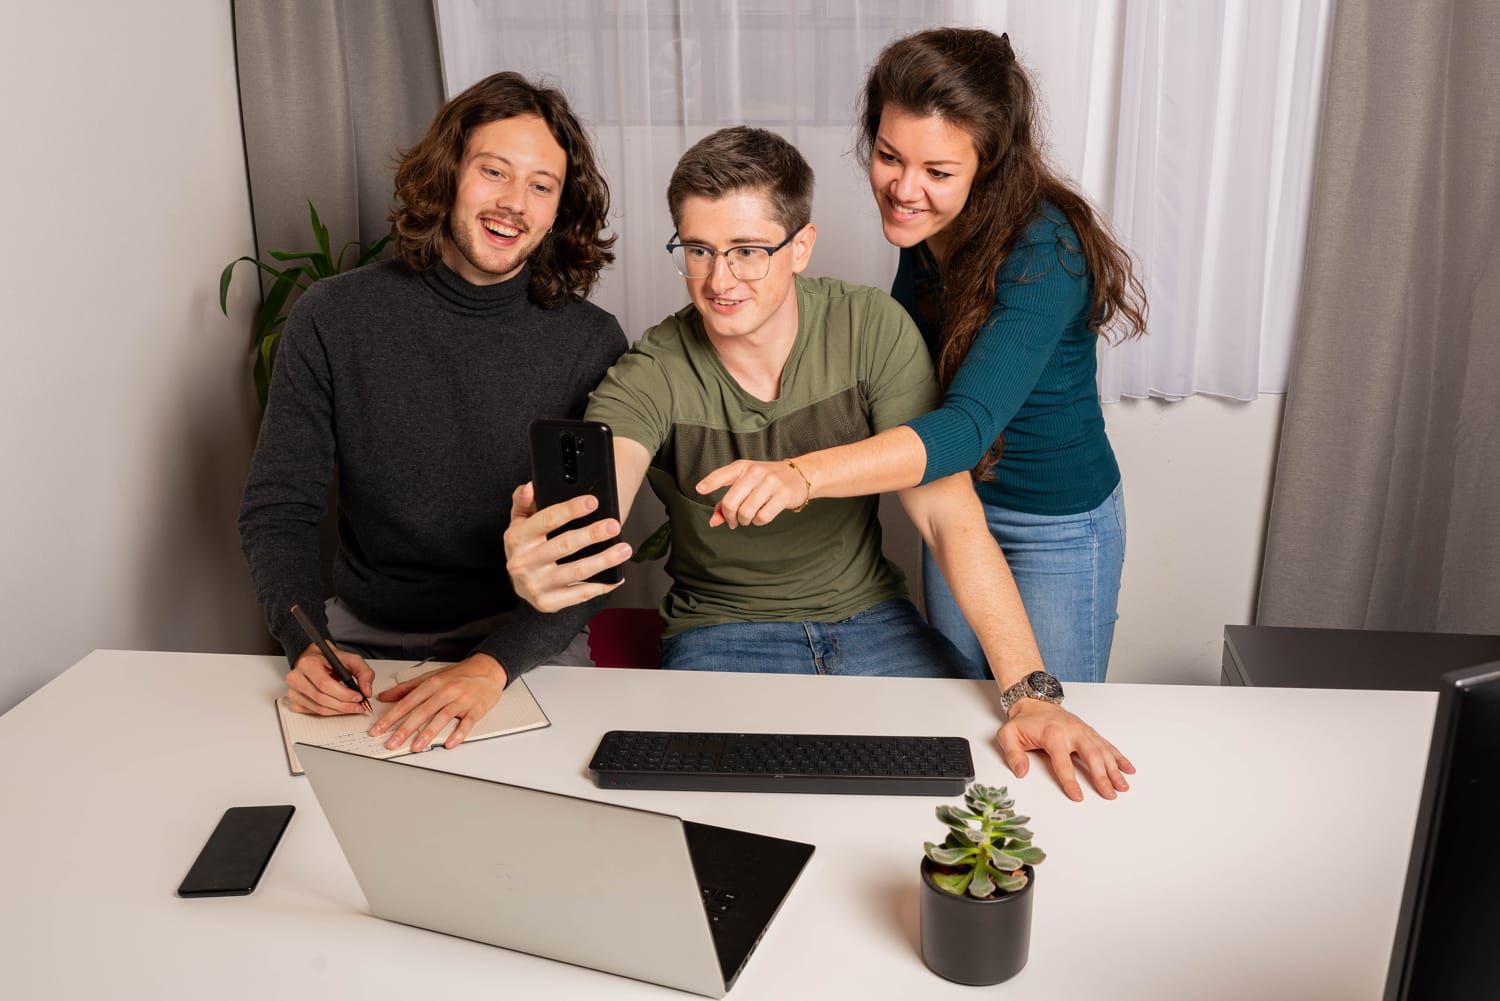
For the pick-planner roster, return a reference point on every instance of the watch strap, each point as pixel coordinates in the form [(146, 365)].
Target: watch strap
[(1023, 690)]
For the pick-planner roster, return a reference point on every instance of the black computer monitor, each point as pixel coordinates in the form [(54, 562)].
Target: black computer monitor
[(1448, 930)]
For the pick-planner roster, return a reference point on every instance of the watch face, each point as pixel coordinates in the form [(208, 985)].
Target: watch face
[(1044, 685)]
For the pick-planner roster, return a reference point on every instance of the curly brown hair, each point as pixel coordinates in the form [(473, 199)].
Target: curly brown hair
[(970, 78), (567, 263)]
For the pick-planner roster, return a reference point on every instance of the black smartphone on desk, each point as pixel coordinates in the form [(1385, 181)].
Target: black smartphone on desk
[(237, 852), (569, 459)]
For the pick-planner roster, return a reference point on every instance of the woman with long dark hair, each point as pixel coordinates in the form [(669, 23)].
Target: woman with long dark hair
[(1011, 277)]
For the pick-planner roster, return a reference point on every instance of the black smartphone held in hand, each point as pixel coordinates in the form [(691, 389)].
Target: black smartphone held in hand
[(569, 459), (237, 852)]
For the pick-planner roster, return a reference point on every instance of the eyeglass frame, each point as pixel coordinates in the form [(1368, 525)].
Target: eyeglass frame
[(676, 242)]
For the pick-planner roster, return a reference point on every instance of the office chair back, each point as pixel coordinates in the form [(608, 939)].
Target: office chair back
[(626, 637)]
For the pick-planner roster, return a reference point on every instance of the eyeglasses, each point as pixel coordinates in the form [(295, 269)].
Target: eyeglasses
[(747, 263)]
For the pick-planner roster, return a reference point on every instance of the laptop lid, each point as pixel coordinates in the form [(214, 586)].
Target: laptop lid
[(607, 887)]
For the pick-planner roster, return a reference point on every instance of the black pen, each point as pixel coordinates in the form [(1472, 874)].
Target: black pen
[(326, 648)]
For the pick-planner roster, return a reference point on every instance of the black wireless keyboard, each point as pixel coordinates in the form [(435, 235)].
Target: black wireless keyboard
[(783, 762)]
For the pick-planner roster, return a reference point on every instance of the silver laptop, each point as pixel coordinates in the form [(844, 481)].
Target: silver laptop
[(670, 902)]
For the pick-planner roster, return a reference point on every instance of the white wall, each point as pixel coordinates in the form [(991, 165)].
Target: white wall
[(127, 416), (1197, 480)]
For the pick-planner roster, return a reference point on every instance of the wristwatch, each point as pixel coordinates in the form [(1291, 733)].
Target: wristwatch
[(1036, 685)]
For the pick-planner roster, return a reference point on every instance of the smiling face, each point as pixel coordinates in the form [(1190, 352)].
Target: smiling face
[(921, 170), (730, 306), (509, 188)]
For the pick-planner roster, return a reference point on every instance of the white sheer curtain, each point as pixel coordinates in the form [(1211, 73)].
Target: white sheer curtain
[(1191, 123), (651, 77), (1218, 124)]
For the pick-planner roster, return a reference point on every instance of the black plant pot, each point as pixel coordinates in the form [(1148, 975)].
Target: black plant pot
[(975, 942)]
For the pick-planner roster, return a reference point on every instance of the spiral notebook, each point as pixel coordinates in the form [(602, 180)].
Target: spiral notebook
[(517, 711)]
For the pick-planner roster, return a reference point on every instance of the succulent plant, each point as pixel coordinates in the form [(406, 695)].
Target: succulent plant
[(986, 846)]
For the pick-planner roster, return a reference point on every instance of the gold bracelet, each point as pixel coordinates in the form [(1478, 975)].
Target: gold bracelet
[(808, 500)]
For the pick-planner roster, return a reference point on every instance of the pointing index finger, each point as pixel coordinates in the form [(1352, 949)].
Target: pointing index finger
[(718, 478)]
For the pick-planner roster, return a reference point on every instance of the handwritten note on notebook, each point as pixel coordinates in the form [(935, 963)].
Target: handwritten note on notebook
[(516, 711)]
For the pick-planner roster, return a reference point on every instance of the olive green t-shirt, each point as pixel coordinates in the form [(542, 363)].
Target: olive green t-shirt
[(858, 367)]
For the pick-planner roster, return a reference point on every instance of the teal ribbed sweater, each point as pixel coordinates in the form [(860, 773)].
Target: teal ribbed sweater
[(1030, 374)]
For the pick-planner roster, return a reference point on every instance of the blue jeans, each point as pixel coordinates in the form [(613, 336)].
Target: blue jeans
[(889, 639), (1067, 568)]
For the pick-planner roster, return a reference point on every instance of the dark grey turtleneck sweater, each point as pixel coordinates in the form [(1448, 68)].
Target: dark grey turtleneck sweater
[(418, 388)]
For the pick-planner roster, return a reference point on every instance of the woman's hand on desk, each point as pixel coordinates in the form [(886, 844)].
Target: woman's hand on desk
[(1044, 726), (465, 691), (311, 687)]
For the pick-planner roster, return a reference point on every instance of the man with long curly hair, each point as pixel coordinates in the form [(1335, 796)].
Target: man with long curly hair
[(415, 378)]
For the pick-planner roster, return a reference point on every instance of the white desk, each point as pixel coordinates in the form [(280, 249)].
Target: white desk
[(1260, 854)]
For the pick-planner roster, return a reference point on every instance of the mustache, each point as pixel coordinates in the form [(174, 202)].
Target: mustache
[(514, 222)]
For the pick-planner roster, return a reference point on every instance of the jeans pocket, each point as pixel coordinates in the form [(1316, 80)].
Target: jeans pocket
[(664, 647)]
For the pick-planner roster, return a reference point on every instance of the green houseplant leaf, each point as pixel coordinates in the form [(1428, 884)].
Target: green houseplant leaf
[(950, 856), (952, 814), (953, 882), (655, 546), (320, 233), (262, 369), (270, 310), (1006, 883), (316, 260), (981, 885), (1002, 860), (368, 252), (306, 267), (1031, 855)]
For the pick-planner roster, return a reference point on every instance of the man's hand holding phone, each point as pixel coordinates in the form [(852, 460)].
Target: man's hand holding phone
[(557, 548), (534, 561)]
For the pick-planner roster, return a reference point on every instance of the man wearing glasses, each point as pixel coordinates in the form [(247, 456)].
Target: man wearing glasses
[(767, 364)]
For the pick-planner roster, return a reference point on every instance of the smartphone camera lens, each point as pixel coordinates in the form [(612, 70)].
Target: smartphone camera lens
[(570, 458)]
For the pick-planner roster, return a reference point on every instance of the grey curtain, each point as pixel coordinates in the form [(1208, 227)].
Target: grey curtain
[(329, 90), (1385, 512)]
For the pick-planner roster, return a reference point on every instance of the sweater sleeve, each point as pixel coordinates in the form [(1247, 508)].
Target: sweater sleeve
[(525, 637), (286, 492), (1040, 289)]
